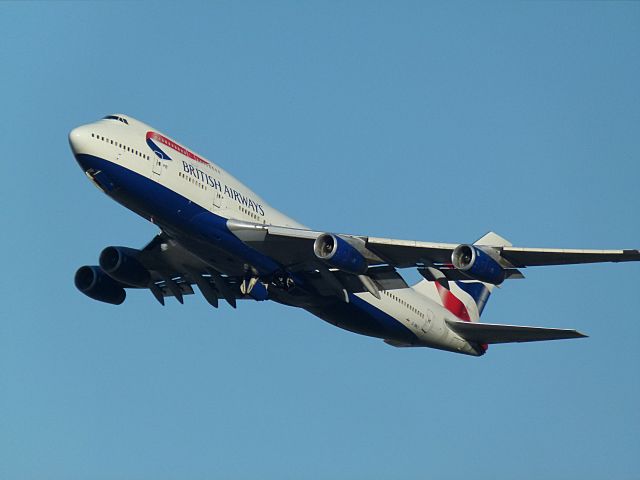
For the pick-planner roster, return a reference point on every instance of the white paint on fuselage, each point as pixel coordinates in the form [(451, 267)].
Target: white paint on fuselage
[(421, 315), (125, 145)]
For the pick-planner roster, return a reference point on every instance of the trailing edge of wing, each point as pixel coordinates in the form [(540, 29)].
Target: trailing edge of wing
[(532, 257), (491, 333)]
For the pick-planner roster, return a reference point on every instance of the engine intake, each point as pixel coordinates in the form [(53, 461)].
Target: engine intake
[(477, 264), (338, 253), (96, 284), (121, 264)]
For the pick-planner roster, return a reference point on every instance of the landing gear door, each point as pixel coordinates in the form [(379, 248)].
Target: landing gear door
[(157, 165), (218, 199), (427, 321)]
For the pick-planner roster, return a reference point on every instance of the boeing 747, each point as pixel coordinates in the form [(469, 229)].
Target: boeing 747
[(221, 237)]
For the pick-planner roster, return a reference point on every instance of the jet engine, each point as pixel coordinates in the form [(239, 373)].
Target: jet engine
[(338, 253), (477, 264), (96, 284), (121, 264)]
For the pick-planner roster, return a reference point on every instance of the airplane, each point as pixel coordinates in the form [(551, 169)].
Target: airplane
[(221, 237)]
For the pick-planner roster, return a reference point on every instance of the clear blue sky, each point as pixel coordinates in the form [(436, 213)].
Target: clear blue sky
[(401, 119)]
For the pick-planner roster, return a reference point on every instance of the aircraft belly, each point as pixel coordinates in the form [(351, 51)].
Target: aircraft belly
[(361, 317)]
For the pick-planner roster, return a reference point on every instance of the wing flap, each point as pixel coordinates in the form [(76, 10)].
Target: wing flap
[(407, 253), (174, 270), (491, 333)]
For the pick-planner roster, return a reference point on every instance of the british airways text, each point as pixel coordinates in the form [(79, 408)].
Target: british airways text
[(228, 191)]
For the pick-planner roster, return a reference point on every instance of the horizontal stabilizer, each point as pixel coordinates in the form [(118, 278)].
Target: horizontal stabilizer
[(489, 333), (397, 344)]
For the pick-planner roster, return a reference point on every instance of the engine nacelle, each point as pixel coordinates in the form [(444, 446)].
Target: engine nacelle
[(121, 264), (96, 284), (477, 264), (259, 292), (339, 253)]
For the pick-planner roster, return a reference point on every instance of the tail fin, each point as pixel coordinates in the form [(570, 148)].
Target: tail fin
[(466, 299)]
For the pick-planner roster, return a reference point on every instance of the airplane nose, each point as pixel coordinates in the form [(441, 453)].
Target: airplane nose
[(77, 137)]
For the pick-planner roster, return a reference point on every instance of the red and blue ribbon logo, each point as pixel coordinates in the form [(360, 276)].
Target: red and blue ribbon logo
[(154, 139)]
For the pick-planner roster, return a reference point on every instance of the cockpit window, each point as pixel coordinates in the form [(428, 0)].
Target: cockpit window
[(115, 117)]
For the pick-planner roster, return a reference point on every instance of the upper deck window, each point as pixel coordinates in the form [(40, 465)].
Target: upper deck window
[(115, 117)]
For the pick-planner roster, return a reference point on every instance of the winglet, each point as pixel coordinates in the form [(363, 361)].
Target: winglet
[(494, 240)]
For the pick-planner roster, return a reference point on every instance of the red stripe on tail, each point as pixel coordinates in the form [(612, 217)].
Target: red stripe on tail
[(453, 303)]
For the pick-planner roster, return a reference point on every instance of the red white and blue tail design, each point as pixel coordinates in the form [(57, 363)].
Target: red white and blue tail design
[(465, 299)]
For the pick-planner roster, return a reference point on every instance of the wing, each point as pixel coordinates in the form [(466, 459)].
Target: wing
[(292, 247), (489, 333), (404, 253), (534, 257), (174, 271)]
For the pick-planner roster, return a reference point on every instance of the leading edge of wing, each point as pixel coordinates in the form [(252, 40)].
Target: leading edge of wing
[(494, 333)]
